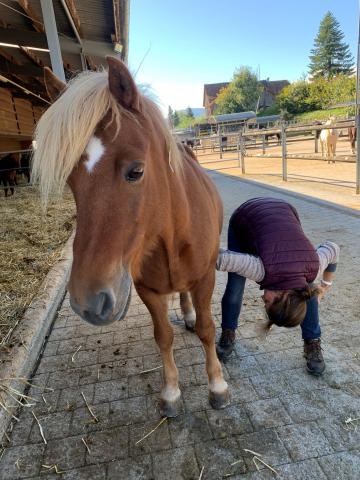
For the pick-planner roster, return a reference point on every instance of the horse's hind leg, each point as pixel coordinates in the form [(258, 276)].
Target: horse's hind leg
[(187, 310), (205, 328), (164, 336), (333, 148)]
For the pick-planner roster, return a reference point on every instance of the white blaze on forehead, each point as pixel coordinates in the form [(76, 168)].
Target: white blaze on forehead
[(94, 150)]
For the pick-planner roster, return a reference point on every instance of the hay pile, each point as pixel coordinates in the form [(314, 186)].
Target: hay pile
[(30, 243)]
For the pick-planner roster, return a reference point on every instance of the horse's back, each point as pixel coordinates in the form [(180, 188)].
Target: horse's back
[(200, 188)]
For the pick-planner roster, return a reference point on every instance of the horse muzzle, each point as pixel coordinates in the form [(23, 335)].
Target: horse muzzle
[(107, 305)]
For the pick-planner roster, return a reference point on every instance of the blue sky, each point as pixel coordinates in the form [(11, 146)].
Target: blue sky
[(196, 42)]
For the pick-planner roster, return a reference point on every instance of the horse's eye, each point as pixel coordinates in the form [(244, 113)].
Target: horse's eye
[(135, 173)]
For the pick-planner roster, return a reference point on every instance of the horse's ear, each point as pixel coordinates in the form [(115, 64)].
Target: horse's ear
[(122, 85), (54, 86)]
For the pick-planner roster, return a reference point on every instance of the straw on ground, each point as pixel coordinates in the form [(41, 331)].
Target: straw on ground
[(90, 410), (152, 431)]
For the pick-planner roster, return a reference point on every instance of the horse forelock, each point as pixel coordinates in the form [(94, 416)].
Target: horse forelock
[(66, 128)]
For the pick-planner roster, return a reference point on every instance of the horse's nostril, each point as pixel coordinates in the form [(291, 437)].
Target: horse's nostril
[(99, 303), (104, 304)]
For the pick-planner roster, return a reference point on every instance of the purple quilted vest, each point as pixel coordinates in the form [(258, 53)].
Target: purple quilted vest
[(270, 228)]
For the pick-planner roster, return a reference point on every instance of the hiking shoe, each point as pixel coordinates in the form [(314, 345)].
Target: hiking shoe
[(314, 359), (225, 344)]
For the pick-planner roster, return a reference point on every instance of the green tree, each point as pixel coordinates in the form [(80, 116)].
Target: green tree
[(330, 55), (170, 117), (176, 119), (321, 93), (189, 113), (242, 93), (295, 98)]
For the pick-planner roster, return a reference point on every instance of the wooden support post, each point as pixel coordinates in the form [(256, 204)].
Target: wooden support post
[(220, 145), (242, 153), (283, 153), (316, 142), (357, 112), (263, 144)]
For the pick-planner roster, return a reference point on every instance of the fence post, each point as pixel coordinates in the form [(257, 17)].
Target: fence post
[(242, 153), (263, 144), (357, 123), (283, 153), (238, 149), (316, 142), (220, 144)]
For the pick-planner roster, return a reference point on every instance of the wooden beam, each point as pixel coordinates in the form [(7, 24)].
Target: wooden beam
[(75, 16), (9, 65), (77, 22), (24, 37), (32, 56), (23, 70), (116, 12), (36, 39), (5, 54), (35, 20)]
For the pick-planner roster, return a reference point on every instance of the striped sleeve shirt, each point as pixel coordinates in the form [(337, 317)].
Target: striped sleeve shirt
[(251, 266)]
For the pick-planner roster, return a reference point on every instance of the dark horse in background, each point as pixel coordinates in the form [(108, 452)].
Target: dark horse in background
[(25, 165), (269, 135), (9, 166), (352, 137)]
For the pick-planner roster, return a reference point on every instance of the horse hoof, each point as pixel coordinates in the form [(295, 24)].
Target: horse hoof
[(190, 320), (219, 400), (170, 409)]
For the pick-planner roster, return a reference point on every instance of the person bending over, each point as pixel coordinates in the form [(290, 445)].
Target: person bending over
[(266, 244)]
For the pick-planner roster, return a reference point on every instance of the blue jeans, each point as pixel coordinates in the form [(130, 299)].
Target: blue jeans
[(232, 299)]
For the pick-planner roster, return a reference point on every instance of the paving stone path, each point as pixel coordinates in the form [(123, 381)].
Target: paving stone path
[(294, 421)]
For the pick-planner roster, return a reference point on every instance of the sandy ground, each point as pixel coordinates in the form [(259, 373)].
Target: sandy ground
[(333, 182)]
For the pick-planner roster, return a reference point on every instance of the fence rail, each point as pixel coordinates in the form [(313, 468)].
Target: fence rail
[(244, 141)]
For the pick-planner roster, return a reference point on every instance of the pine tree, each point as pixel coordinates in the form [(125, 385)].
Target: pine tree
[(189, 113), (330, 55), (170, 117)]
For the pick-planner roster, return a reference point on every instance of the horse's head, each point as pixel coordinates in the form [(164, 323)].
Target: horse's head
[(100, 140)]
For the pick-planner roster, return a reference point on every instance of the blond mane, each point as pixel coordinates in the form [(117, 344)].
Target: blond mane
[(66, 127)]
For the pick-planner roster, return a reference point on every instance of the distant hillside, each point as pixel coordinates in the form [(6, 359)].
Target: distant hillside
[(198, 112)]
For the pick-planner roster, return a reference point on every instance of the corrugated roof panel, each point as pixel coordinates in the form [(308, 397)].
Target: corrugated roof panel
[(96, 17), (234, 117)]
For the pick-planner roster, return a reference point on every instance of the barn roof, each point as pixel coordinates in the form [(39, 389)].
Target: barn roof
[(266, 118), (212, 89), (234, 117), (88, 29), (274, 87)]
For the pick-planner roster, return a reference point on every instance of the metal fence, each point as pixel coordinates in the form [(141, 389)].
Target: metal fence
[(243, 143)]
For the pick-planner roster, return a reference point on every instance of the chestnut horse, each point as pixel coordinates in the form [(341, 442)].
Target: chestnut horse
[(146, 212), (352, 137)]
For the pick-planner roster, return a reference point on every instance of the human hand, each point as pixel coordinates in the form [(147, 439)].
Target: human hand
[(323, 290)]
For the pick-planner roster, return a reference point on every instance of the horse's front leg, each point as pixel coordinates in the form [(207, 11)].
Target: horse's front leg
[(205, 329), (164, 337)]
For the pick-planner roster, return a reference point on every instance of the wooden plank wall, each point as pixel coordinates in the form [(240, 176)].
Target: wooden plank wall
[(17, 115), (8, 121)]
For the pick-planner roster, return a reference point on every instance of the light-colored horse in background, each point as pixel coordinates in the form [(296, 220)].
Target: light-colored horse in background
[(328, 139)]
